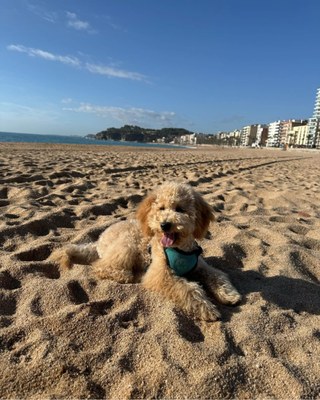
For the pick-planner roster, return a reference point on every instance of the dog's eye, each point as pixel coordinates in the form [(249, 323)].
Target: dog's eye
[(179, 209), (161, 208)]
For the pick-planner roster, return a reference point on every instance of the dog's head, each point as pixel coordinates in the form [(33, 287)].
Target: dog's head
[(174, 212)]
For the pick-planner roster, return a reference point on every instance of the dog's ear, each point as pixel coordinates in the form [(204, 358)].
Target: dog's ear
[(204, 216), (142, 214)]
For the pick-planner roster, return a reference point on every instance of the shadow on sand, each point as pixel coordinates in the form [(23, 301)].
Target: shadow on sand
[(287, 293)]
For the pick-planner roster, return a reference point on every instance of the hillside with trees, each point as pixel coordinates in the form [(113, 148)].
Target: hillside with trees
[(132, 133)]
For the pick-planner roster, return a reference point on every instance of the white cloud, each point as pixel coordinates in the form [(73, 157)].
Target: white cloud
[(69, 60), (130, 115), (75, 62), (114, 72), (49, 16), (75, 23), (66, 100)]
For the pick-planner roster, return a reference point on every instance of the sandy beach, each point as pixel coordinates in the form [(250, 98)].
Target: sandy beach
[(65, 334)]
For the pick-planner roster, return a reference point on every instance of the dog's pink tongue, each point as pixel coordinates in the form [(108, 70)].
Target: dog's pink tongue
[(167, 239)]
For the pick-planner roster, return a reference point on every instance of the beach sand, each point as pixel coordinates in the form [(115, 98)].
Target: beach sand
[(65, 334)]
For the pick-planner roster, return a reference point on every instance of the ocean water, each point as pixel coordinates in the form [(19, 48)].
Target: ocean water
[(33, 138)]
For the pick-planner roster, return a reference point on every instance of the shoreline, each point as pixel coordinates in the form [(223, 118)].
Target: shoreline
[(146, 147)]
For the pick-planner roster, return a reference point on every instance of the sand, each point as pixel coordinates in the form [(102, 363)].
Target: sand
[(65, 334)]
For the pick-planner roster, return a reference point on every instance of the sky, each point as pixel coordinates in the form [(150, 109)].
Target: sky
[(75, 67)]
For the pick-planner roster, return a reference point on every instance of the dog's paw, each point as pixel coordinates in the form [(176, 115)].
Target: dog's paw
[(206, 311), (61, 258), (199, 305), (228, 294)]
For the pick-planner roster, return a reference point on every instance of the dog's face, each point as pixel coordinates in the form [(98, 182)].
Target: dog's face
[(174, 213)]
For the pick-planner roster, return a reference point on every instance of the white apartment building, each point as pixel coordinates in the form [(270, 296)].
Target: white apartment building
[(231, 138), (316, 111), (189, 139), (235, 135), (248, 135), (244, 135), (314, 124), (274, 132)]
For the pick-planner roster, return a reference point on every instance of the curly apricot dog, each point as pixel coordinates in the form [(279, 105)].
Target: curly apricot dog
[(168, 220)]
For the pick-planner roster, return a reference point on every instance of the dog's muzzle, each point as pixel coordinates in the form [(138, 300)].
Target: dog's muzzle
[(168, 237)]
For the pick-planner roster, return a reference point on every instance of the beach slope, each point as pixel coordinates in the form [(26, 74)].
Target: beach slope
[(65, 334)]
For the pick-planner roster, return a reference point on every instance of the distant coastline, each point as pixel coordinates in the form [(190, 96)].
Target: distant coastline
[(64, 139)]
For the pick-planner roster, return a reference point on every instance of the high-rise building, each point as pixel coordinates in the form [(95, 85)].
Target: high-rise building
[(248, 135), (278, 134), (298, 136), (314, 124), (316, 111), (262, 134), (274, 130), (287, 126)]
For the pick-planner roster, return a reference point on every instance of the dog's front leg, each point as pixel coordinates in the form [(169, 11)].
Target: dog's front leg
[(187, 295), (219, 283)]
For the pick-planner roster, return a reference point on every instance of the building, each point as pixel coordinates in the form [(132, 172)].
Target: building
[(278, 134), (316, 142), (287, 126), (262, 135), (234, 137), (274, 130), (248, 135), (298, 136), (244, 135), (314, 124), (189, 139)]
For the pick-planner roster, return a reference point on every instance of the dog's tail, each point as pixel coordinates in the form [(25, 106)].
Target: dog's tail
[(76, 254)]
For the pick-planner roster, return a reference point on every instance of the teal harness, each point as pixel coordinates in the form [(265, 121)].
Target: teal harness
[(182, 262)]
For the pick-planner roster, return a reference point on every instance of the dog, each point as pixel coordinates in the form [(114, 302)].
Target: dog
[(158, 248)]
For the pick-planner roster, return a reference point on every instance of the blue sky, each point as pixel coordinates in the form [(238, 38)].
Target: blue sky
[(80, 66)]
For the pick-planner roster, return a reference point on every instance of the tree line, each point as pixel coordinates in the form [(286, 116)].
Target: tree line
[(134, 133)]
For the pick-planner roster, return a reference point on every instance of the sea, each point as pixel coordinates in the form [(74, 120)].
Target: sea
[(61, 139)]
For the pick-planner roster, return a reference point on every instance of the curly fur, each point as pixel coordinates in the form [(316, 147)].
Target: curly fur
[(174, 214)]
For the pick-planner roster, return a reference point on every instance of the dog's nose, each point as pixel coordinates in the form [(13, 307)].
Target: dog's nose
[(166, 226)]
